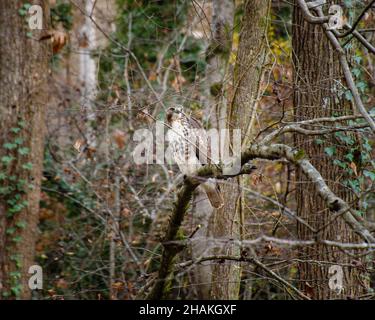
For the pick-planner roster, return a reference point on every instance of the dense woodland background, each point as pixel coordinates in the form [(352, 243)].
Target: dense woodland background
[(73, 200)]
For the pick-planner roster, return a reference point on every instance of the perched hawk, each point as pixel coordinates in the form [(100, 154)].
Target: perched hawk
[(191, 150)]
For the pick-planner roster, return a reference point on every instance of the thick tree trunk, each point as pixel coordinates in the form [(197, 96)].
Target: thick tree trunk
[(243, 96), (23, 96), (318, 92), (217, 55), (87, 69)]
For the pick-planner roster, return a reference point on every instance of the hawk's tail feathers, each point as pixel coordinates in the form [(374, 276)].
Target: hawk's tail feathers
[(213, 194)]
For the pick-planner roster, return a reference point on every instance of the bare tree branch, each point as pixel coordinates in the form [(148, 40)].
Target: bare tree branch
[(279, 242), (309, 17)]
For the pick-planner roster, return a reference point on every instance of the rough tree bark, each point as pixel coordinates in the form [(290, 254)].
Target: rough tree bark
[(240, 114), (24, 70), (318, 83), (217, 55), (87, 68)]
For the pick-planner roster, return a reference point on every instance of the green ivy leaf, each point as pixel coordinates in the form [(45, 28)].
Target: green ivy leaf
[(15, 209), (360, 213), (17, 239), (22, 12), (343, 137), (330, 151), (349, 157), (15, 274), (15, 130), (356, 72), (10, 231), (22, 124), (362, 86), (23, 151), (369, 174), (17, 196), (340, 164), (366, 145), (7, 159), (300, 154), (348, 95), (21, 184), (21, 224), (24, 203), (27, 166), (11, 202), (9, 146), (16, 290), (15, 257), (18, 140), (5, 190), (355, 185)]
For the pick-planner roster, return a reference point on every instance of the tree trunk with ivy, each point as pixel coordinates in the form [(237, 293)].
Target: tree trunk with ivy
[(240, 114), (320, 92), (24, 70)]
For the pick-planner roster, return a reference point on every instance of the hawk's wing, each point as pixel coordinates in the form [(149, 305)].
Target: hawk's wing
[(199, 137), (204, 150)]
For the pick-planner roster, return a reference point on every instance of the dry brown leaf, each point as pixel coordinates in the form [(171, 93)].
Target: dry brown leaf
[(59, 39), (78, 145), (90, 152), (118, 285), (354, 168), (144, 115), (177, 83), (119, 137), (152, 76), (309, 289), (255, 179), (126, 212), (51, 292), (62, 284), (83, 41)]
